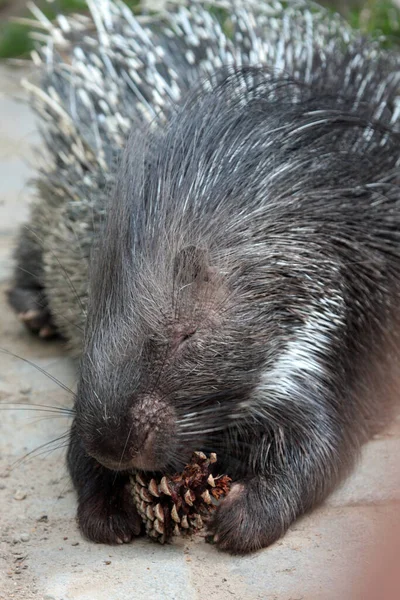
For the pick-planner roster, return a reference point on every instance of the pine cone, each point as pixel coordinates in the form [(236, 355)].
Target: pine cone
[(181, 503)]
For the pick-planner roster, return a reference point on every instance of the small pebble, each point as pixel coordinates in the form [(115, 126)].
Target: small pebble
[(21, 557), (20, 495), (26, 389), (75, 544), (107, 562), (43, 519), (25, 537)]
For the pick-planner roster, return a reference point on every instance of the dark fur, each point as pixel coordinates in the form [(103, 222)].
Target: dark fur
[(243, 300), (209, 267)]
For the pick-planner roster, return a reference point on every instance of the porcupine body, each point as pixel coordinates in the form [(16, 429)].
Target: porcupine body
[(243, 290)]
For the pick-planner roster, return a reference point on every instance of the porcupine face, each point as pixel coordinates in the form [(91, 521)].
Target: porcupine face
[(172, 350), (168, 374)]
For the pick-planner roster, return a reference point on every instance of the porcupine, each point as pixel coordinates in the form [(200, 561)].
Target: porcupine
[(242, 291)]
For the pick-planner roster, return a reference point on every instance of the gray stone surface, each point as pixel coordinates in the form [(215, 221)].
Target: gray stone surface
[(321, 558), (18, 137)]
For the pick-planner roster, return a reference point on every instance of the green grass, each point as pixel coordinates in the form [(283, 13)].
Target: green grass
[(373, 17), (14, 38), (378, 17)]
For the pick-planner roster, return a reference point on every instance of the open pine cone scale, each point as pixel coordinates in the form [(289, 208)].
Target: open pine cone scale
[(181, 503)]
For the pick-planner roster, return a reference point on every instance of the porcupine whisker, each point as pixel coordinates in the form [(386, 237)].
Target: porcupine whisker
[(209, 416), (36, 420), (197, 416), (43, 452), (57, 411), (43, 371), (32, 420), (123, 450), (189, 420), (217, 410), (213, 399), (202, 431), (65, 436), (191, 427), (190, 423)]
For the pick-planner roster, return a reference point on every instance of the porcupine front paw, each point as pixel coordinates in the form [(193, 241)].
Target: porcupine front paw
[(247, 520), (31, 307), (109, 519)]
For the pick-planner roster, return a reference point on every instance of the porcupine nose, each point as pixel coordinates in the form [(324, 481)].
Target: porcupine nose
[(141, 440), (154, 422)]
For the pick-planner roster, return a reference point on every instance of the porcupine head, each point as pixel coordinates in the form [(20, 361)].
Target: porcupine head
[(172, 349)]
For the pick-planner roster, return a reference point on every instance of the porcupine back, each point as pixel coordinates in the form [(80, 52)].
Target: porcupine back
[(103, 74)]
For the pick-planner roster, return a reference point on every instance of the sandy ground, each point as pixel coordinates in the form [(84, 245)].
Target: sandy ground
[(42, 555)]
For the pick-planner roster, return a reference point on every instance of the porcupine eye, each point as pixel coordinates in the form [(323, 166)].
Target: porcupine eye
[(185, 337)]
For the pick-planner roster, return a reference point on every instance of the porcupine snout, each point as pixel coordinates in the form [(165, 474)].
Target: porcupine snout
[(140, 439)]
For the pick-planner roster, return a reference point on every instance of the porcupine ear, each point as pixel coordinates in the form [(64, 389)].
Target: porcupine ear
[(191, 265)]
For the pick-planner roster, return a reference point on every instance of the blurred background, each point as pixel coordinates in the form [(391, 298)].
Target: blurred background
[(375, 17)]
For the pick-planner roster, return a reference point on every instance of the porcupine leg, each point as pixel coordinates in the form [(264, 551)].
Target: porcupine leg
[(106, 513), (27, 297), (259, 509), (308, 425)]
